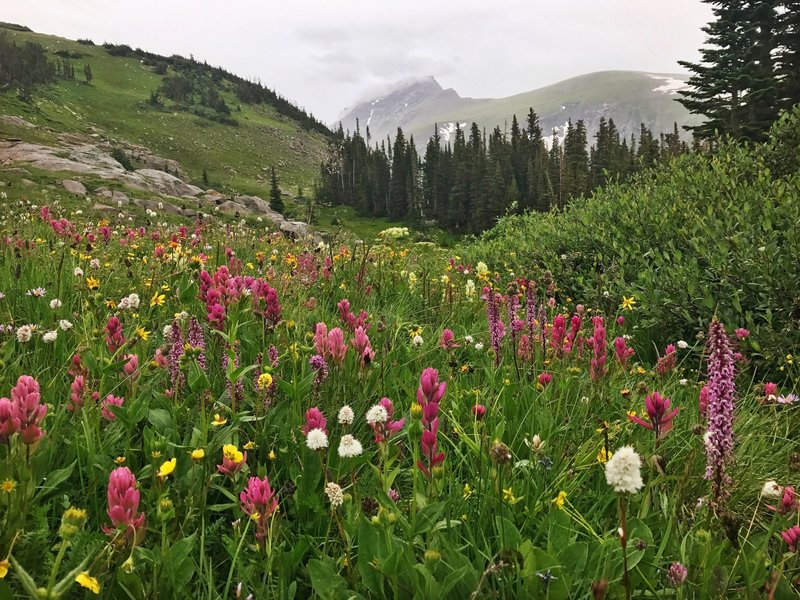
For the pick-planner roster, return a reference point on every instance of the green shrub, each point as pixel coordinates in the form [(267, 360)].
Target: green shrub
[(706, 233)]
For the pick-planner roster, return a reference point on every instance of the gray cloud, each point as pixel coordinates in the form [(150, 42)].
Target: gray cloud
[(325, 54)]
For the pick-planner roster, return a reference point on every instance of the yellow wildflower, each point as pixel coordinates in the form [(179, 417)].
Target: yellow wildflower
[(8, 486), (157, 300), (560, 499), (198, 454), (119, 460), (604, 456), (218, 421), (155, 454), (87, 581), (4, 565), (508, 495), (142, 333), (251, 445), (111, 304), (232, 453), (468, 491), (92, 283), (272, 455), (167, 467), (627, 303)]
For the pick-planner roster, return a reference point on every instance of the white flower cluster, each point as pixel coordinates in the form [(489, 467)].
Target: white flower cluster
[(131, 302), (335, 494), (623, 471), (349, 447), (394, 233), (346, 415), (377, 414), (317, 439)]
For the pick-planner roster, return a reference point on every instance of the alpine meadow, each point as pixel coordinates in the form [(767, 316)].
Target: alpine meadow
[(539, 343)]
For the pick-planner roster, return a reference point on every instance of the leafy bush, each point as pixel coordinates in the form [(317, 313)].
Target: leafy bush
[(704, 235), (119, 155)]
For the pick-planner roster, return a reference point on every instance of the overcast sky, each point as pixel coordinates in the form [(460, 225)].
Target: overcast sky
[(326, 54)]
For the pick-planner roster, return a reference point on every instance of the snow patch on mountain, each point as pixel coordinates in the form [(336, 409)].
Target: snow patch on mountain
[(446, 130), (559, 133), (670, 86)]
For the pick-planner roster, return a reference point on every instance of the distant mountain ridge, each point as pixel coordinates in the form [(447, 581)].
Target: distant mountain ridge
[(629, 97)]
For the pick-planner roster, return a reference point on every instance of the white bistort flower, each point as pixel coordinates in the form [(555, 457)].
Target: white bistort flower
[(417, 341), (64, 325), (25, 333), (377, 414), (50, 336), (55, 303), (479, 346), (317, 439), (623, 471), (349, 446), (77, 272), (335, 494), (771, 489), (682, 345), (346, 415)]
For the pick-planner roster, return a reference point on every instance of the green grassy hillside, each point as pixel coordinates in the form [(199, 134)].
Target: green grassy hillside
[(116, 105)]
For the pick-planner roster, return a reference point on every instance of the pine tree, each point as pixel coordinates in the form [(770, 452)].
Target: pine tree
[(275, 198), (398, 193), (736, 85), (87, 73)]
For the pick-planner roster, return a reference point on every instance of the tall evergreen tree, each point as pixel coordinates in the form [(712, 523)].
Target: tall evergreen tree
[(275, 198)]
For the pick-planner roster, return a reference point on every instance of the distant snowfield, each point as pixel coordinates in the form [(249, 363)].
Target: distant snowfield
[(446, 130), (670, 86)]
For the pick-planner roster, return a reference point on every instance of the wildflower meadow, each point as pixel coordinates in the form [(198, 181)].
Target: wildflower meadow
[(209, 410)]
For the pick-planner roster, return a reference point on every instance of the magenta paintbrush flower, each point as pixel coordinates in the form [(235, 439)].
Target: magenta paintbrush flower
[(792, 538), (111, 400), (315, 420), (659, 414), (379, 418), (123, 505), (25, 395), (447, 340), (597, 367), (429, 393), (622, 351), (259, 503)]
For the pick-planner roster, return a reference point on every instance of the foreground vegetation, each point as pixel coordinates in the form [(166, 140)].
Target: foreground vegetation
[(207, 411)]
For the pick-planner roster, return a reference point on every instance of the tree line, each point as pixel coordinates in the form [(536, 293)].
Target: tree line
[(465, 185)]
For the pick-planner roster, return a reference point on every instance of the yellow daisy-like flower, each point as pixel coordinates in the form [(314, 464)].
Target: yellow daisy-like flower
[(264, 381), (142, 333), (218, 421), (87, 581), (167, 467), (604, 456), (119, 460), (198, 454), (468, 491), (111, 304), (232, 453), (8, 486), (508, 495), (92, 283), (4, 566), (157, 299), (560, 499), (272, 455), (628, 303), (251, 445)]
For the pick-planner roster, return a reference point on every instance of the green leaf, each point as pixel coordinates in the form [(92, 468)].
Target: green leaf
[(54, 479), (160, 419), (427, 518)]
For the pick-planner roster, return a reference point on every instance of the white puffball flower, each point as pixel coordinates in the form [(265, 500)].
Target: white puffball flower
[(50, 336), (167, 331), (468, 339), (317, 439), (771, 489), (377, 414), (683, 381), (479, 346), (349, 447), (55, 303), (682, 345), (64, 325), (623, 471), (335, 494), (417, 341), (25, 333), (77, 272), (346, 415)]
